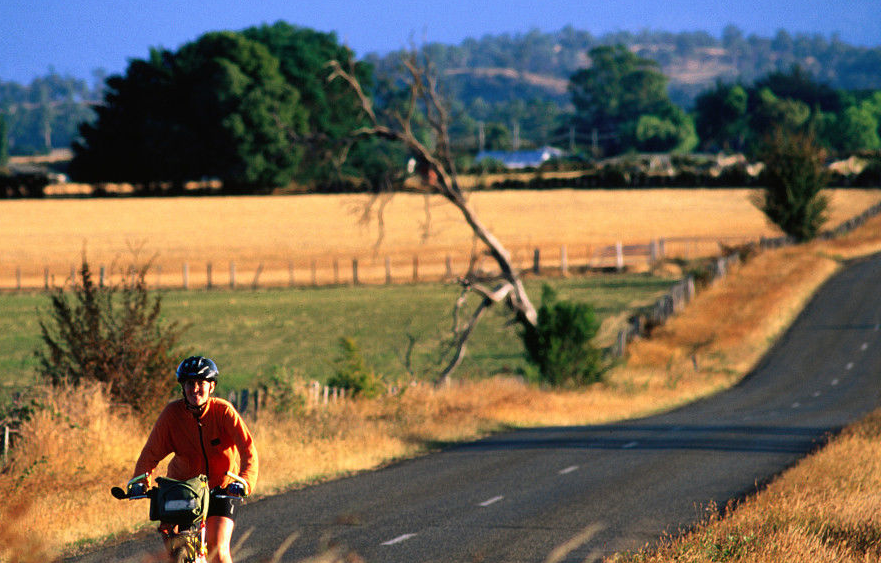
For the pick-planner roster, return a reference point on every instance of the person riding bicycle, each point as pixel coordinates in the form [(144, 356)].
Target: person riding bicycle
[(207, 437)]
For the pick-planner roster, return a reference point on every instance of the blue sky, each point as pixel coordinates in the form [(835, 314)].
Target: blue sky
[(77, 36)]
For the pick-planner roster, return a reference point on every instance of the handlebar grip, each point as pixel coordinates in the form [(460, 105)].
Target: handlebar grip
[(241, 481)]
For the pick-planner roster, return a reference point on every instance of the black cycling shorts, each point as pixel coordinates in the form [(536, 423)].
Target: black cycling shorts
[(222, 507)]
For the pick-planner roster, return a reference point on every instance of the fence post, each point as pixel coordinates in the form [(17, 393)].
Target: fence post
[(5, 446), (208, 270), (244, 403), (46, 279), (256, 283), (388, 270), (536, 261), (314, 268), (336, 271), (316, 392), (233, 398), (619, 256), (415, 268), (449, 264), (355, 271), (232, 275), (621, 347), (564, 261), (18, 278)]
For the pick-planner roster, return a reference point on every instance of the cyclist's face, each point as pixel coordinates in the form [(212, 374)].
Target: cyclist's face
[(197, 392)]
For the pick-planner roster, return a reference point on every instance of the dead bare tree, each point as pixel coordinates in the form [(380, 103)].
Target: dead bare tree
[(436, 167)]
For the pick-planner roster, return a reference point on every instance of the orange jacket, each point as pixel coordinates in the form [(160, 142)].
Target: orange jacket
[(217, 442)]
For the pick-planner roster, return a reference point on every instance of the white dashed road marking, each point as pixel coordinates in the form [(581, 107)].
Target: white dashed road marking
[(864, 347), (629, 445), (849, 366), (491, 501), (398, 539), (569, 469)]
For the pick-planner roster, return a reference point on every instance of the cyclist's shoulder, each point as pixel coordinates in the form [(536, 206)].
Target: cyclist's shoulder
[(173, 408), (222, 406)]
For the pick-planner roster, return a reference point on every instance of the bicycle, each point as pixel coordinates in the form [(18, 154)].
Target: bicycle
[(185, 542)]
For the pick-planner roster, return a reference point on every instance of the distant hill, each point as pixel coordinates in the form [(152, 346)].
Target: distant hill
[(500, 78), (504, 67)]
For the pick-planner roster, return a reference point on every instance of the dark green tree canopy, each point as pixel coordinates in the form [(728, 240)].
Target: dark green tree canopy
[(794, 177), (616, 92), (334, 111), (217, 108)]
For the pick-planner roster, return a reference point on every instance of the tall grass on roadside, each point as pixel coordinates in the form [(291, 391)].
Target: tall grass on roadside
[(74, 446), (827, 508)]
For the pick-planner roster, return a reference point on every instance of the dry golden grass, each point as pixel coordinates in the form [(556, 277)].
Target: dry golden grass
[(827, 508), (70, 453), (280, 230)]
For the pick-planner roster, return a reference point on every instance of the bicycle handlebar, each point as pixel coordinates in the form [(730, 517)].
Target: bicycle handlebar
[(143, 492)]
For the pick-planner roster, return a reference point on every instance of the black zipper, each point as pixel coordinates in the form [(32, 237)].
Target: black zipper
[(204, 452)]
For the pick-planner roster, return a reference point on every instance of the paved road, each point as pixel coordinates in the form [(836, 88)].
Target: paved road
[(576, 494)]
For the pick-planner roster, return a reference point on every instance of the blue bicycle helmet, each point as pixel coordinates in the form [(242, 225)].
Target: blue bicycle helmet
[(198, 368)]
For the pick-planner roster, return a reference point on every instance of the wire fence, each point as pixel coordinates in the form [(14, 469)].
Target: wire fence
[(430, 266)]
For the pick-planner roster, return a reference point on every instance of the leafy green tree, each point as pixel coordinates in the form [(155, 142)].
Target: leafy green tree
[(333, 110), (794, 176), (671, 132), (4, 141), (218, 108), (770, 113), (858, 129), (721, 119), (615, 92), (797, 84)]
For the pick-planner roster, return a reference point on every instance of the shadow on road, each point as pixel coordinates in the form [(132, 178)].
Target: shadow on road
[(729, 438)]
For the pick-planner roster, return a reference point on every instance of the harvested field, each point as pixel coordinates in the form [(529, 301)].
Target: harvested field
[(314, 239)]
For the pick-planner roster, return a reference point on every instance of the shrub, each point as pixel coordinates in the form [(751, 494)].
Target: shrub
[(794, 175), (112, 335), (283, 392), (560, 345), (352, 371)]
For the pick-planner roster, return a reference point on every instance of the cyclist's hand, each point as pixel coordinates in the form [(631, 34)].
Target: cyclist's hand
[(235, 490), (136, 489)]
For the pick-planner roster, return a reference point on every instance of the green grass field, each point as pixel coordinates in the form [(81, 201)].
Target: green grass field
[(252, 333)]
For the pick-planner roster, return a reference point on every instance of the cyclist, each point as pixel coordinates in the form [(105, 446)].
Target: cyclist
[(207, 437)]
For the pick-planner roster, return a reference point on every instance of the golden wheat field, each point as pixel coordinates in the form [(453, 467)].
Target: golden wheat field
[(314, 238)]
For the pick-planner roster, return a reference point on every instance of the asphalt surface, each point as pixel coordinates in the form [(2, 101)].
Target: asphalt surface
[(579, 493)]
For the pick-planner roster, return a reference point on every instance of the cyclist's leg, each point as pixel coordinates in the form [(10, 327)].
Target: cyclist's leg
[(219, 533)]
